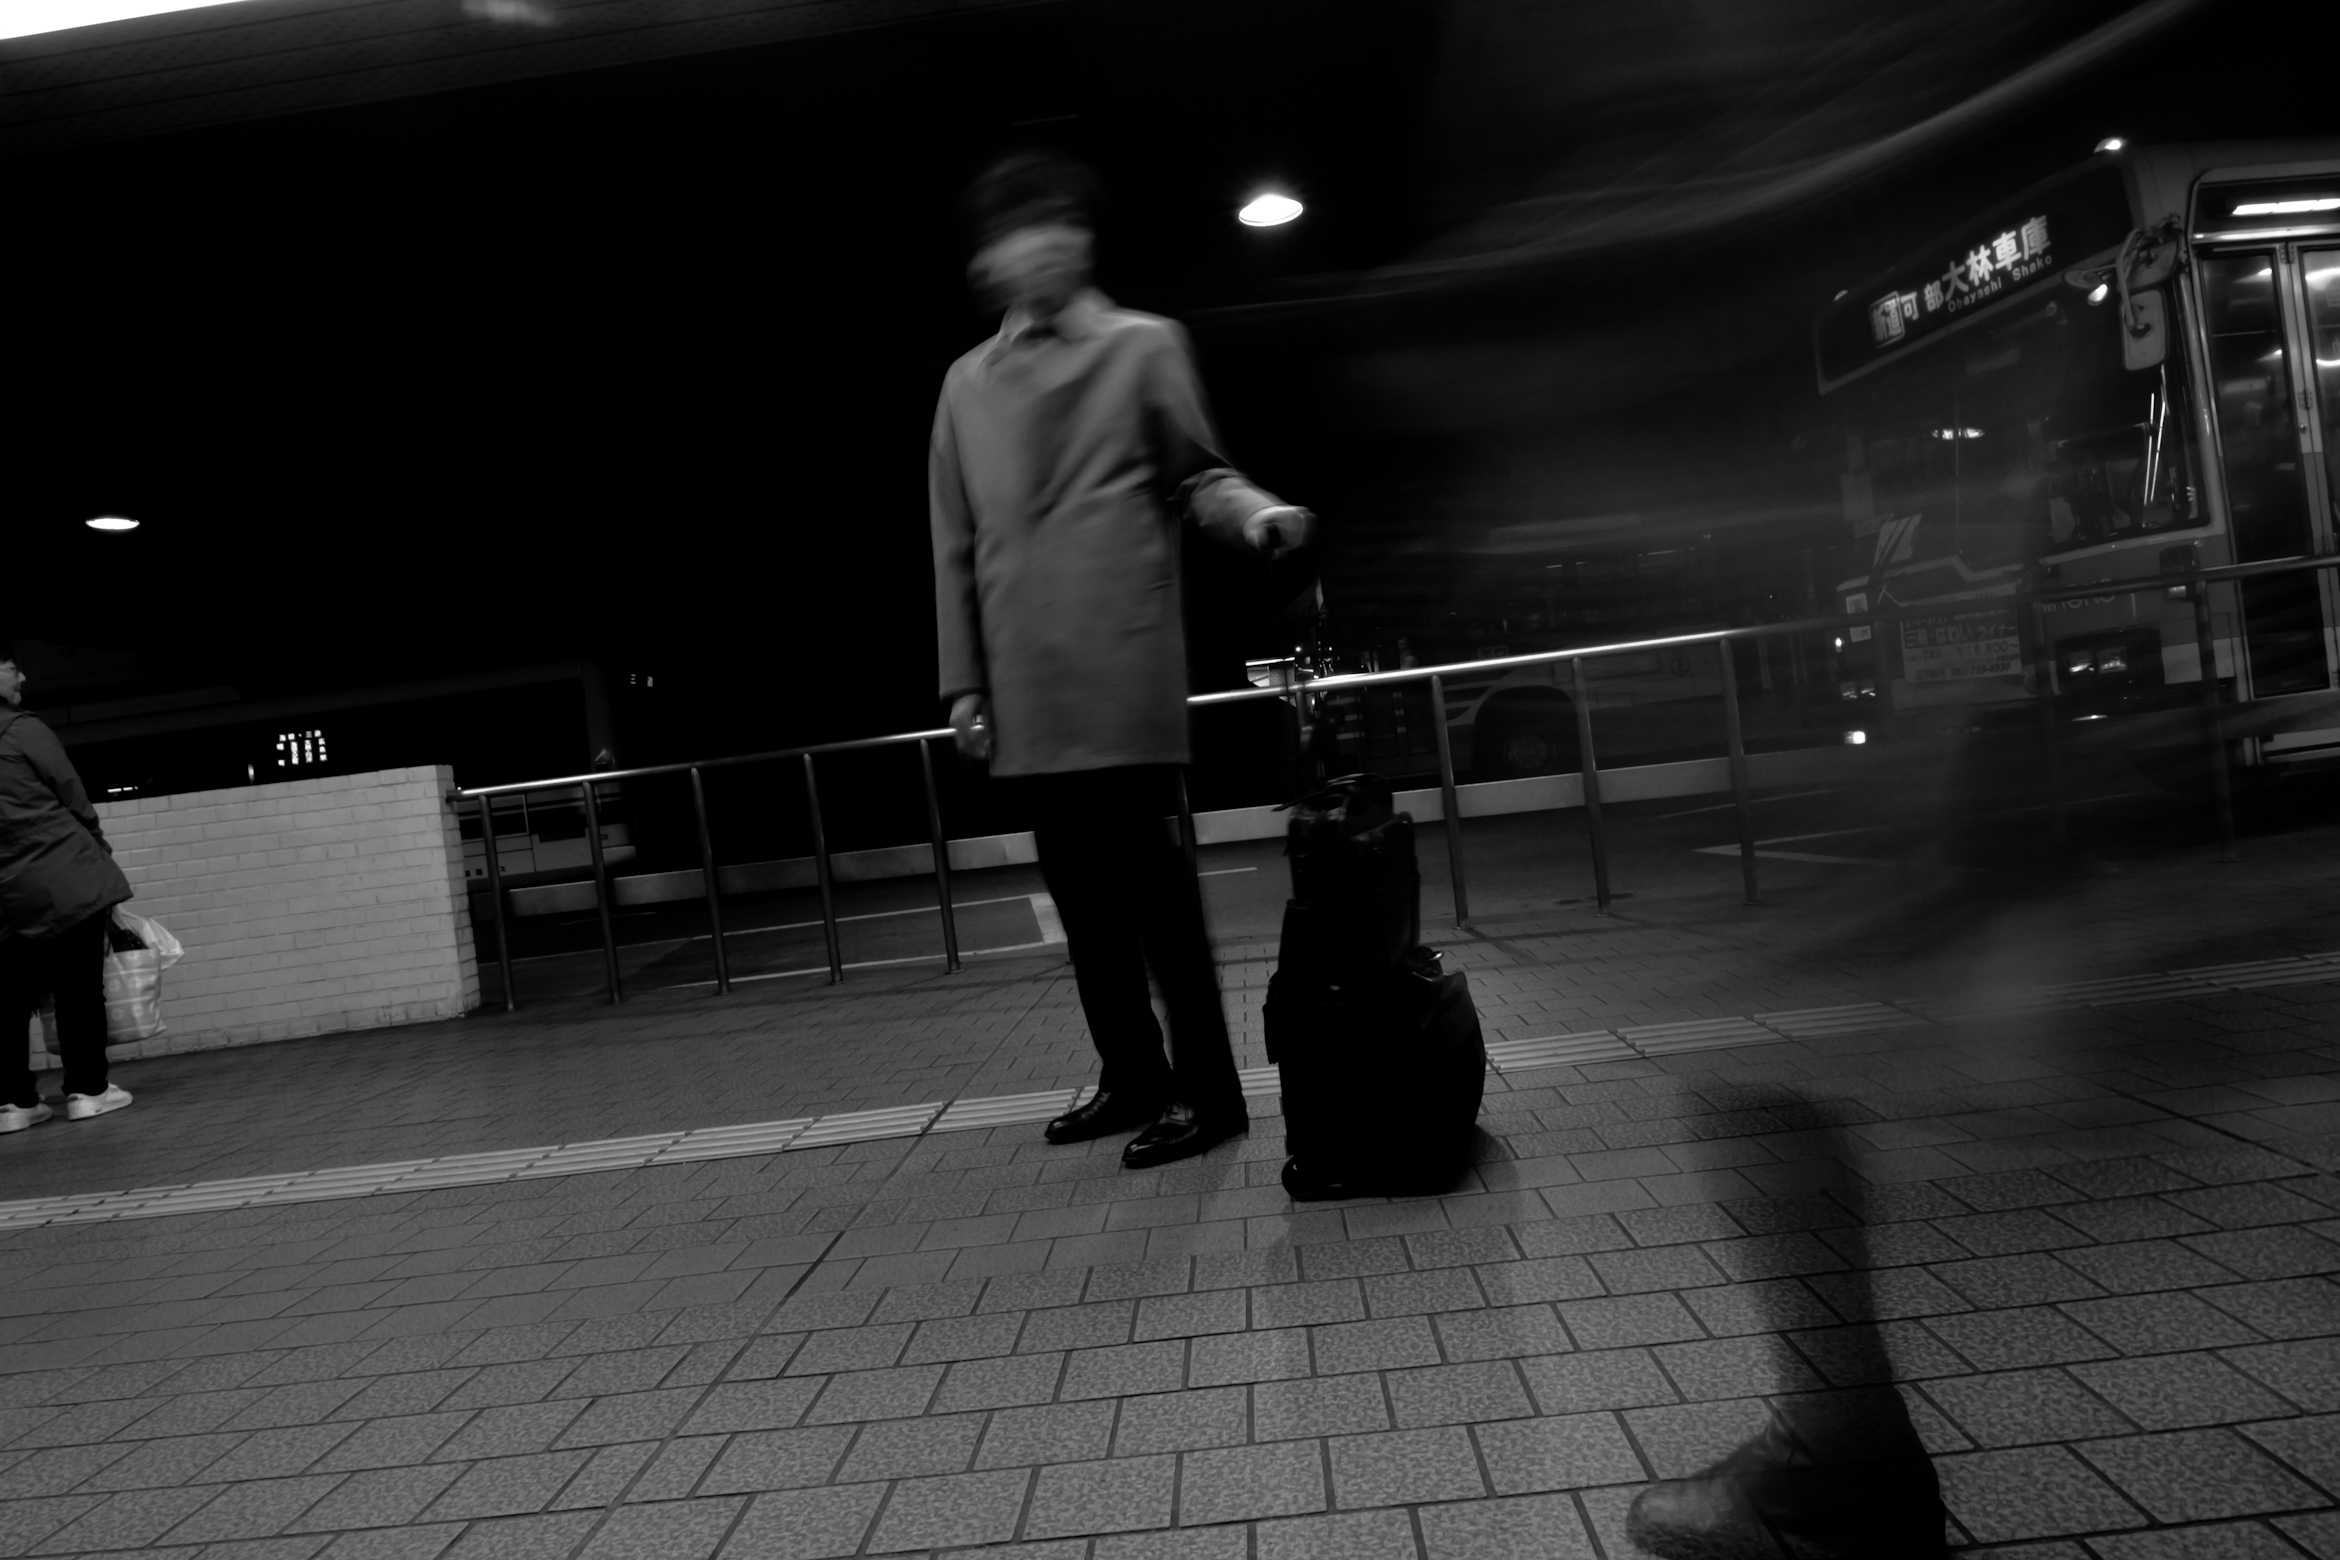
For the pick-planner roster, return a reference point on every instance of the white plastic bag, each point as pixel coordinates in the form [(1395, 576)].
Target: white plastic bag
[(137, 953)]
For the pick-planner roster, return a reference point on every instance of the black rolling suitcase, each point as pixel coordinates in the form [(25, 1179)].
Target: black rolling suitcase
[(1374, 1036)]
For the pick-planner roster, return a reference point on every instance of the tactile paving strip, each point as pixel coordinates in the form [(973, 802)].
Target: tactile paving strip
[(1006, 1110), (1705, 1034), (1852, 1018), (771, 1137), (2304, 970), (1596, 1045)]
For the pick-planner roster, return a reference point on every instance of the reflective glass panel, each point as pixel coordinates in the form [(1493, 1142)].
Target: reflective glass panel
[(2320, 269), (2251, 386)]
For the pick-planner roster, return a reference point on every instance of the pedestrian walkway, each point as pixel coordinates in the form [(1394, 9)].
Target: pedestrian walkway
[(790, 1273), (751, 1139)]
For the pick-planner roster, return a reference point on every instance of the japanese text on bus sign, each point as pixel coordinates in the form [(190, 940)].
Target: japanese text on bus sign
[(1961, 645), (1988, 269), (1973, 268)]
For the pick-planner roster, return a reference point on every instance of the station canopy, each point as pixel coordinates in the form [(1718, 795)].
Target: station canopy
[(257, 59)]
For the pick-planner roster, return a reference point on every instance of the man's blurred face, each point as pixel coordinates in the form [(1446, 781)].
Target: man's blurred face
[(1037, 269), (11, 683)]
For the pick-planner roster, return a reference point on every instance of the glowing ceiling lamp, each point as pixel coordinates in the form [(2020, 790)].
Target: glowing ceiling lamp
[(2111, 143), (1958, 433), (111, 523), (1269, 210), (25, 18)]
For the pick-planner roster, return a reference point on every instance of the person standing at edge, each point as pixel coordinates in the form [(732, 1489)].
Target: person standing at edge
[(1068, 451), (58, 889)]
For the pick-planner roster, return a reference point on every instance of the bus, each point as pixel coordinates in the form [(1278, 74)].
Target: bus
[(2123, 371), (1546, 585)]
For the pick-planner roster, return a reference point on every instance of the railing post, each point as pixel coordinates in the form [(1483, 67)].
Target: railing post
[(942, 859), (1295, 700), (2213, 724), (714, 887), (1591, 774), (495, 871), (1186, 832), (2059, 834), (812, 796), (601, 890), (1881, 626), (1448, 805), (1741, 794)]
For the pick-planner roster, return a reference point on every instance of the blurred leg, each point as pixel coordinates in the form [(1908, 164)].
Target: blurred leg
[(19, 995), (77, 980)]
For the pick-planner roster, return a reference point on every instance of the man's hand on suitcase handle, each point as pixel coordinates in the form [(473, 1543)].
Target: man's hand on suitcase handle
[(971, 726), (1279, 528)]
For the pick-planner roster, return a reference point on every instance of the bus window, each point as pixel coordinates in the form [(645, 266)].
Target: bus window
[(2266, 488), (2026, 437)]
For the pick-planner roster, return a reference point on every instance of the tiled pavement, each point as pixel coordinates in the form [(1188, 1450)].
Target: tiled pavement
[(2100, 1246)]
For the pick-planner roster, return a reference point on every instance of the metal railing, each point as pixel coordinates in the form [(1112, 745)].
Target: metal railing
[(1879, 620)]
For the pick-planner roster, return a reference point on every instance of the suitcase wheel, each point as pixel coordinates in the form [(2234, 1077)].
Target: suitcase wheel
[(1304, 1185)]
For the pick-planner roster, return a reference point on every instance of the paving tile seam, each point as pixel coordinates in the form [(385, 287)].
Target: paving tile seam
[(970, 1113), (714, 1382)]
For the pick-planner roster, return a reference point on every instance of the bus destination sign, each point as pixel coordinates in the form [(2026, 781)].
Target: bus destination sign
[(1982, 273), (2030, 239)]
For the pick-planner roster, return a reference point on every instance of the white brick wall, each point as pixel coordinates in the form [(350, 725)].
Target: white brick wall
[(306, 906)]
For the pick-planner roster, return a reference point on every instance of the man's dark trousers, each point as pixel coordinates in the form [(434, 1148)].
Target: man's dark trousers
[(69, 966), (1127, 901)]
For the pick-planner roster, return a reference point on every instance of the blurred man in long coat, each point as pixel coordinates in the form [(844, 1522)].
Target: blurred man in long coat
[(1069, 451)]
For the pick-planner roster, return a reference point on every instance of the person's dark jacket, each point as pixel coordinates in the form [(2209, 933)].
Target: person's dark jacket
[(56, 869)]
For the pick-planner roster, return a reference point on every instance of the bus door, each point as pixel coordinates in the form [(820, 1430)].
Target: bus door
[(2272, 317)]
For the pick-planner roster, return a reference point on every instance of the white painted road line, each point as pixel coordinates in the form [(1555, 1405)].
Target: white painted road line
[(1785, 796), (1800, 855)]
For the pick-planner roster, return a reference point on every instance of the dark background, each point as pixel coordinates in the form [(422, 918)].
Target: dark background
[(637, 365)]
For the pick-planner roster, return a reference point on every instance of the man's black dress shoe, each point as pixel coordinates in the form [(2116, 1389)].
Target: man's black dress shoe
[(1104, 1115), (1182, 1133)]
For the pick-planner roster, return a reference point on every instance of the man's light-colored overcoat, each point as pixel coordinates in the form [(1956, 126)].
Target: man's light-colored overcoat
[(1066, 458)]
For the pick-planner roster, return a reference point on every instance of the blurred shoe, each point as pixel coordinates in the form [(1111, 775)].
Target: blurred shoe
[(1182, 1133), (1769, 1499), (15, 1118), (80, 1107), (1105, 1114)]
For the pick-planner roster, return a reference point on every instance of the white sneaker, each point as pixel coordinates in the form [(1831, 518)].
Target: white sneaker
[(80, 1107), (15, 1118)]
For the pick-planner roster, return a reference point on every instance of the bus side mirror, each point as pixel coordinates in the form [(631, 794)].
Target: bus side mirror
[(2150, 257), (2144, 331)]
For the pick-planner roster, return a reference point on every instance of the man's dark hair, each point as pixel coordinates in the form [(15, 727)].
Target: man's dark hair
[(7, 650), (1029, 189)]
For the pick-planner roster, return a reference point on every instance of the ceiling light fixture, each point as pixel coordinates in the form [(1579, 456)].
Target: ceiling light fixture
[(111, 523), (26, 18), (2287, 208), (2111, 143), (1269, 210)]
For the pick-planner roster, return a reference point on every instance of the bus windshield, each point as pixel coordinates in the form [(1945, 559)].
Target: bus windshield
[(2020, 437)]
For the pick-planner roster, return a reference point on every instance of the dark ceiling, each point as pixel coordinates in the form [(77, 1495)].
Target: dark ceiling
[(638, 362)]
